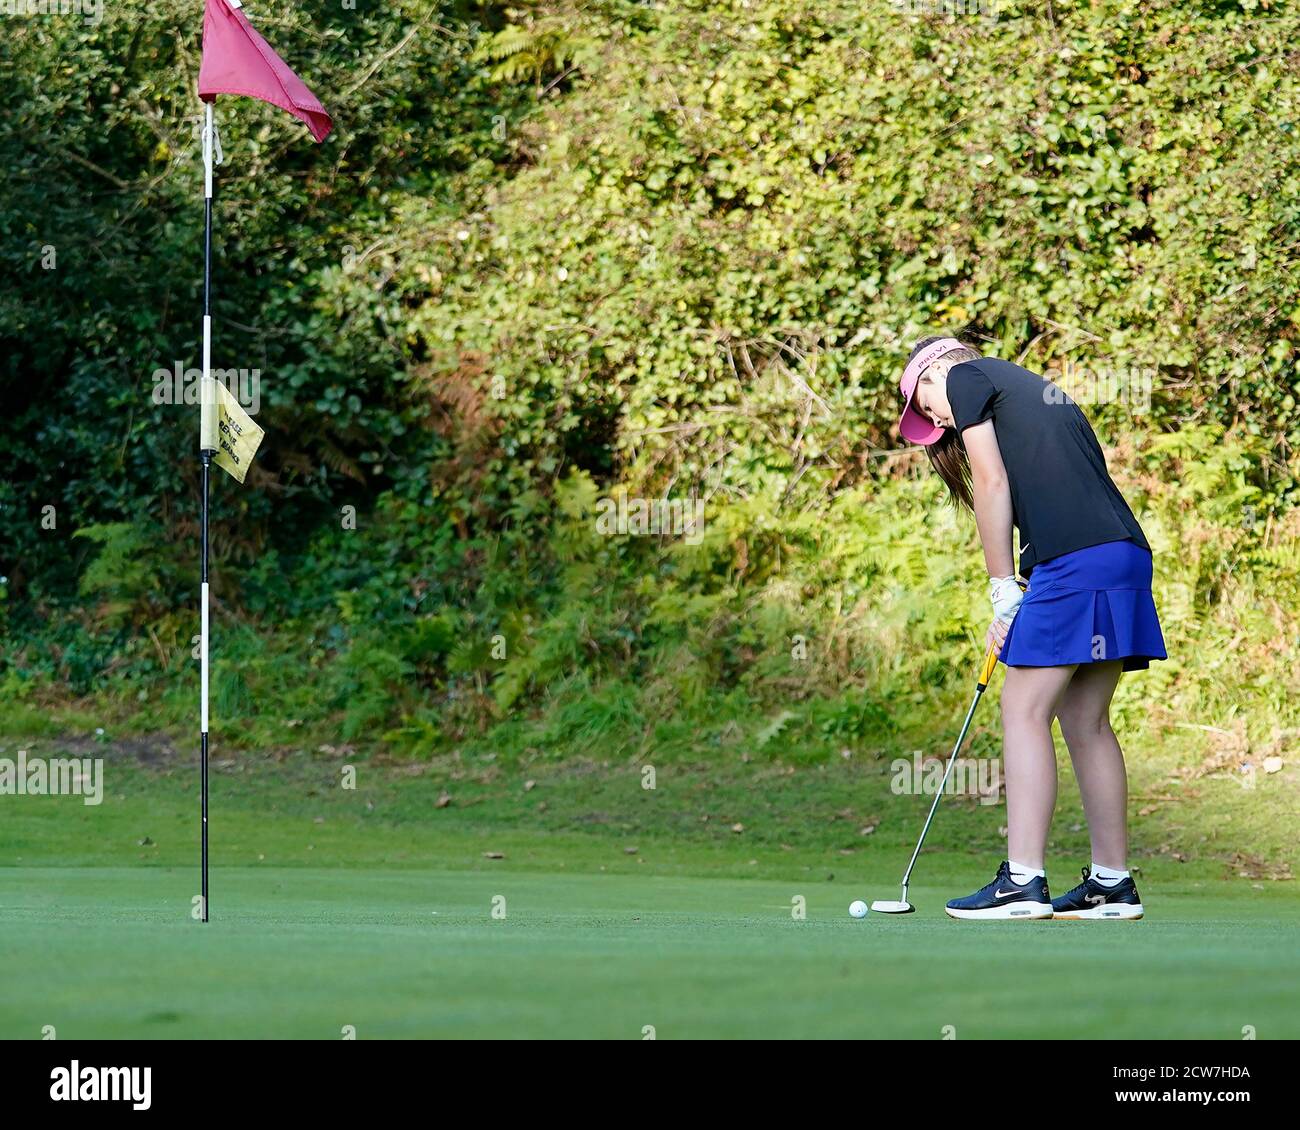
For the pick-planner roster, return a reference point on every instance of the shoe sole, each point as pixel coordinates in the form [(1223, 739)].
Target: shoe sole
[(1011, 912), (1113, 912)]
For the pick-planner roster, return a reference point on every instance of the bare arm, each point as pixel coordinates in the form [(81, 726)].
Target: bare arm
[(992, 497)]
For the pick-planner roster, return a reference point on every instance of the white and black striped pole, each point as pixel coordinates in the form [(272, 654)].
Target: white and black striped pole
[(207, 449)]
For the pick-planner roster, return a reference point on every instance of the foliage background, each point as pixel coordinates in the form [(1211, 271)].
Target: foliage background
[(557, 251)]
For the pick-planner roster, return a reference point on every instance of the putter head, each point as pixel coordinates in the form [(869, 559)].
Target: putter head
[(887, 906)]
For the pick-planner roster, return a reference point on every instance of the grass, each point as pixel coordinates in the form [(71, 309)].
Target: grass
[(307, 952), (376, 909)]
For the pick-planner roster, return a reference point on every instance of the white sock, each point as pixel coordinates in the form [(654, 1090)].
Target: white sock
[(1020, 874), (1108, 877)]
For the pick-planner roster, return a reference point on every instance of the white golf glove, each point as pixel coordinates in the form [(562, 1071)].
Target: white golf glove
[(1006, 594)]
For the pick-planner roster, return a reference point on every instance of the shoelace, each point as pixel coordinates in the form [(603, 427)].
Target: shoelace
[(1004, 875), (1084, 885)]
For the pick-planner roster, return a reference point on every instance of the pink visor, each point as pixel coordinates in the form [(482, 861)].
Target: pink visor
[(913, 426)]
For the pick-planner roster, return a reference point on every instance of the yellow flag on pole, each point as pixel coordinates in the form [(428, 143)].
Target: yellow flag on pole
[(238, 436)]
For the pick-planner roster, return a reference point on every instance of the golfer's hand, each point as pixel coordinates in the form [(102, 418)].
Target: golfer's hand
[(997, 636), (1006, 596)]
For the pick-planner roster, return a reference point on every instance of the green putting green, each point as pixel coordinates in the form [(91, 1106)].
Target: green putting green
[(611, 912), (314, 952)]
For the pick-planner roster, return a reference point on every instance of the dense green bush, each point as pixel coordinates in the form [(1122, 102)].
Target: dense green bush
[(610, 249), (731, 233), (101, 227)]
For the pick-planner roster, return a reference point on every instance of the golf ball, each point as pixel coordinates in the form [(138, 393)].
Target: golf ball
[(858, 908)]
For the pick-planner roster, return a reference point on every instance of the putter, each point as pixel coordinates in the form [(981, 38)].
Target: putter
[(902, 906)]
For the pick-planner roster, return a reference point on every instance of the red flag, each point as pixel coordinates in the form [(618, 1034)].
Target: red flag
[(236, 60)]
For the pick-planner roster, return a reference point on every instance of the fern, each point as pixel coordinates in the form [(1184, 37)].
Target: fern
[(546, 47)]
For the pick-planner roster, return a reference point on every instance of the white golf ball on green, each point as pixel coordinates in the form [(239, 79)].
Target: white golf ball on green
[(858, 908)]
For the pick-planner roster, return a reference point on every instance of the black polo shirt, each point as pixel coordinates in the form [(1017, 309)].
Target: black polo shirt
[(1062, 496)]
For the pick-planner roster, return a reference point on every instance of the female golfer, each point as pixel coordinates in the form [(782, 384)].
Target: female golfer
[(1016, 451)]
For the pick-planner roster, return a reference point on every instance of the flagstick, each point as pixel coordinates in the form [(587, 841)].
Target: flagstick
[(207, 448), (206, 458)]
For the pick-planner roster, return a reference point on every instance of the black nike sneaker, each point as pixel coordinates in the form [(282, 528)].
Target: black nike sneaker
[(1004, 900), (1091, 900)]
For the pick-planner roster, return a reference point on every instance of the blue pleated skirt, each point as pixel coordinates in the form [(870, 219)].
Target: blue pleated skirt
[(1090, 606)]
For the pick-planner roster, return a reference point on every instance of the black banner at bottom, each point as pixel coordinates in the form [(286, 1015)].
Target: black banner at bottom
[(338, 1078)]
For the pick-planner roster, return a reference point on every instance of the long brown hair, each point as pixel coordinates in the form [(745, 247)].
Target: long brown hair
[(948, 454)]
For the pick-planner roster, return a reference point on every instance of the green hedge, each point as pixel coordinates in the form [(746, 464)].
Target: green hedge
[(673, 250), (740, 218)]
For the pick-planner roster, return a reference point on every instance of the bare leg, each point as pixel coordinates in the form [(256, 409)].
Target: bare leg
[(1084, 713), (1029, 700)]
